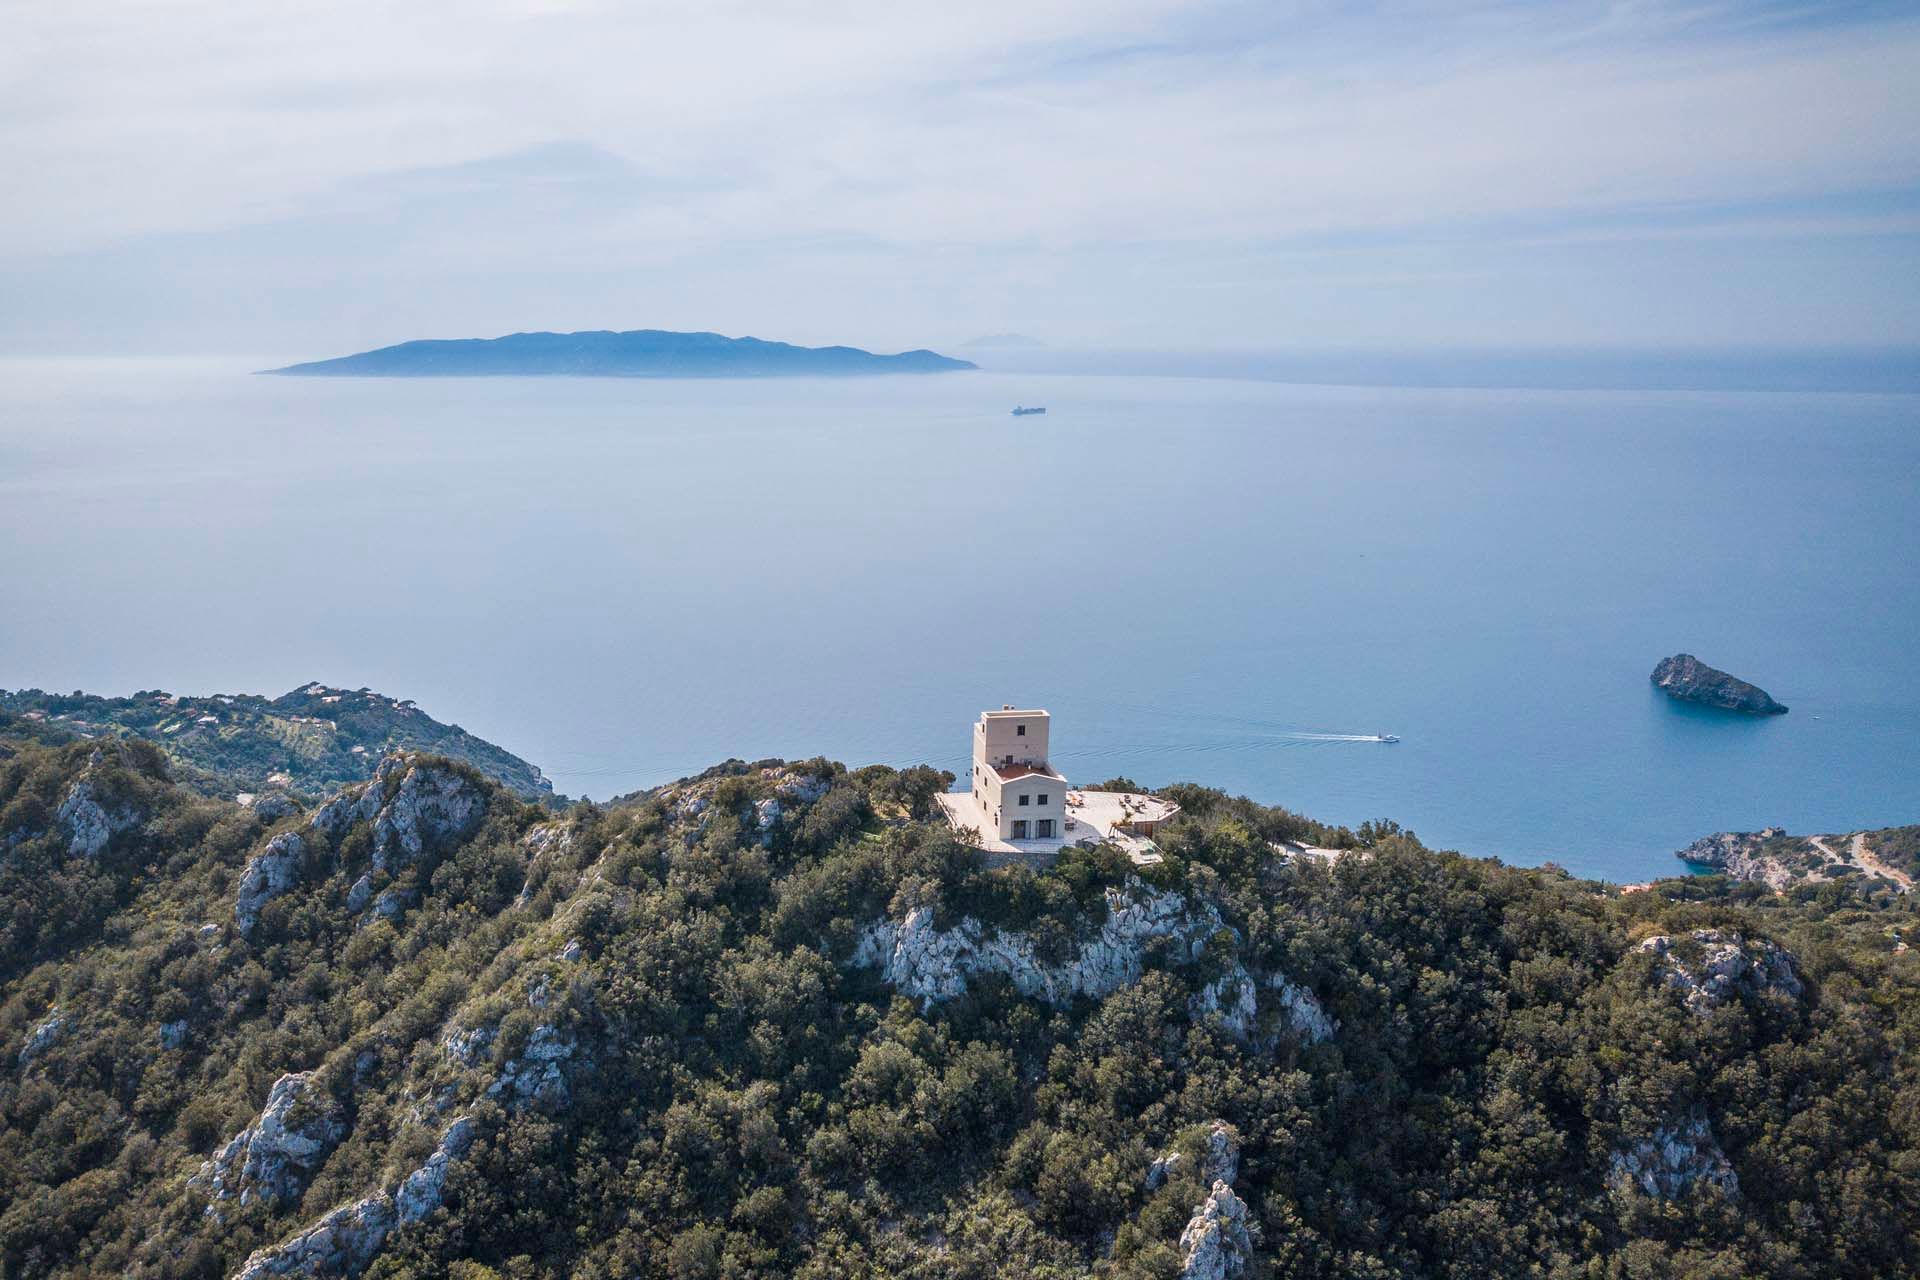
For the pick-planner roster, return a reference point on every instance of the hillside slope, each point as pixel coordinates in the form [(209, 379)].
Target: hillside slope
[(772, 1022), (312, 740)]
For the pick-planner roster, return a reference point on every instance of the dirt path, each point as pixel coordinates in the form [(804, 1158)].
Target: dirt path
[(1864, 858), (1868, 859)]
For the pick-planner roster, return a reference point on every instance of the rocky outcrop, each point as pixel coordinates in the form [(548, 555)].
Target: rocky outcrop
[(267, 875), (430, 805), (45, 1032), (1685, 677), (934, 964), (1219, 1158), (341, 1243), (1677, 1158), (90, 824), (421, 1191), (931, 964), (275, 1157), (344, 1241), (536, 1076), (1218, 1239), (1710, 967)]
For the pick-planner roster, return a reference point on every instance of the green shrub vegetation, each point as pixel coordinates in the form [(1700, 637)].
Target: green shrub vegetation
[(738, 1099)]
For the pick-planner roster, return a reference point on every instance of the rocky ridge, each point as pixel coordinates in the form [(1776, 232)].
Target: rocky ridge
[(346, 1239)]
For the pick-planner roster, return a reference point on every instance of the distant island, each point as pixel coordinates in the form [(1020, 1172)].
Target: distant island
[(637, 353)]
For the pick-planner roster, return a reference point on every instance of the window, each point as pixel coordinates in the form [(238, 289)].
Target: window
[(1019, 828), (1019, 731), (1025, 799), (1044, 828), (1042, 799)]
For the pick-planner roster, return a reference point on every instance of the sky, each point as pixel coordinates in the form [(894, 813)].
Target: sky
[(306, 179)]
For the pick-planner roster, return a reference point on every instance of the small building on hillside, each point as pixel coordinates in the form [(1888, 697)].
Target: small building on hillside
[(1016, 802)]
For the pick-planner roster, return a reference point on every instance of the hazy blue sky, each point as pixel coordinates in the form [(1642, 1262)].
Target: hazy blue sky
[(309, 178)]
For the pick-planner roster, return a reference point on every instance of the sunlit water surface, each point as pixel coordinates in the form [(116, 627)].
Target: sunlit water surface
[(1204, 579)]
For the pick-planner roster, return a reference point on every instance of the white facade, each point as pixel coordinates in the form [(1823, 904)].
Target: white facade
[(1012, 784)]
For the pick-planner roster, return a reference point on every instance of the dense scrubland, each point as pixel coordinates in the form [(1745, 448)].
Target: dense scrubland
[(432, 1028)]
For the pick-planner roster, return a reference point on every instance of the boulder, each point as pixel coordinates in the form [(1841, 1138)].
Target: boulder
[(1688, 679)]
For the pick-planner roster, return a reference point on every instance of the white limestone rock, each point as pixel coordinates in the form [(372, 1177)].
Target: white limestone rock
[(1233, 997), (1677, 1158), (347, 1239), (267, 875), (1218, 1239), (421, 1191), (933, 964), (467, 1046), (342, 1243), (536, 1077), (361, 893), (1219, 1160), (48, 1030), (789, 784), (90, 825), (1300, 1009), (1710, 967), (431, 804), (273, 1159)]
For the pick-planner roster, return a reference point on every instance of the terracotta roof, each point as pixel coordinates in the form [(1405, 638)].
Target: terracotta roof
[(1008, 772)]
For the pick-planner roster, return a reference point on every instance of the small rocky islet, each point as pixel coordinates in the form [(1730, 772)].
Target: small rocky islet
[(1685, 678)]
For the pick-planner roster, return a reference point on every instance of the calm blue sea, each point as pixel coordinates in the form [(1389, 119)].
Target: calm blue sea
[(1206, 578)]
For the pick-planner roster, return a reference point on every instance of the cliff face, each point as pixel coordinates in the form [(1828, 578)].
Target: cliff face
[(932, 964), (1688, 679)]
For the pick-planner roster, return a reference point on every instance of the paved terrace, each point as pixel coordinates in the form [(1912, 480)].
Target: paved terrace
[(1092, 816)]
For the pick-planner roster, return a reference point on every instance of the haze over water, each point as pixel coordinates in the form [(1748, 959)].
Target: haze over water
[(1213, 580)]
